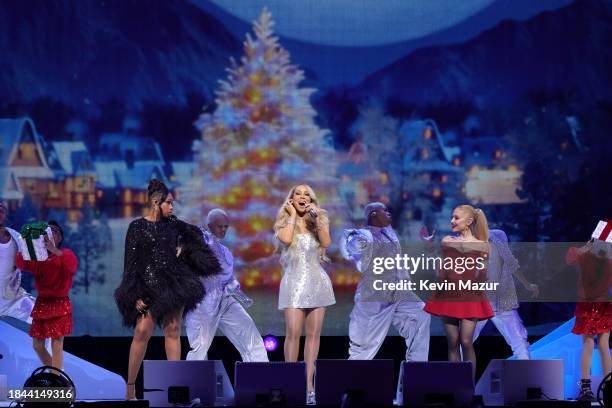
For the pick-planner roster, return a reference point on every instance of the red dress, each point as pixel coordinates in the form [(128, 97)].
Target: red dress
[(460, 303), (594, 311), (52, 313)]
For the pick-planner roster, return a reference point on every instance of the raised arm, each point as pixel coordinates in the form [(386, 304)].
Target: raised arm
[(356, 245), (322, 225), (284, 232), (353, 243)]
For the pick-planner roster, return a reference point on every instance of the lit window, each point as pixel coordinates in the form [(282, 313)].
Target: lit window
[(26, 150)]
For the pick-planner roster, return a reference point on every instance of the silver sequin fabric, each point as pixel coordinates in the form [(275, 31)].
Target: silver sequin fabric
[(305, 284), (501, 267)]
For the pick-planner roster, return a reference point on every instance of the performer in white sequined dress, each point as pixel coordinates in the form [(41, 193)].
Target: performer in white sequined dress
[(302, 229)]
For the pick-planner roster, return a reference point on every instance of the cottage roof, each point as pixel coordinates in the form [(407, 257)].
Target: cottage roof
[(9, 187), (74, 157)]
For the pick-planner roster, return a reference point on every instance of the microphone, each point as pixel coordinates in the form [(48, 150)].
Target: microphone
[(313, 213)]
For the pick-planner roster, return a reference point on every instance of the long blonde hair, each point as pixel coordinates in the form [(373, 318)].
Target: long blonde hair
[(479, 226), (282, 216)]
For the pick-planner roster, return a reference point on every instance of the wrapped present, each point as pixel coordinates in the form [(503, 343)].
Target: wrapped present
[(603, 231), (32, 241)]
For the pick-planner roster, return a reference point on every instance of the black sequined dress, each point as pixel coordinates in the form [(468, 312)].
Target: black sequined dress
[(152, 272)]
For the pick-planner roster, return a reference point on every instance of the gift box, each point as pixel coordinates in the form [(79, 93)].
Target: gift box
[(32, 241), (603, 231)]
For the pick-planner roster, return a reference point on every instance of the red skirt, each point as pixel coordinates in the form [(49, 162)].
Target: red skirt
[(51, 318), (480, 310), (593, 318), (460, 304)]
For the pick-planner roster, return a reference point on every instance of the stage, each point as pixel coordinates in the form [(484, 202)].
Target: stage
[(108, 356)]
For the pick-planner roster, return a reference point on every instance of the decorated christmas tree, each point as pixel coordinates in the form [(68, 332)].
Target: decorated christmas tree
[(259, 142)]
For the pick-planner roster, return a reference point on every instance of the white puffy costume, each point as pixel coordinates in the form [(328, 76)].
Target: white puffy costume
[(374, 313), (501, 267), (14, 300), (221, 309)]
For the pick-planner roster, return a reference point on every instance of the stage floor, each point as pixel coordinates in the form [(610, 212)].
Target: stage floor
[(118, 403)]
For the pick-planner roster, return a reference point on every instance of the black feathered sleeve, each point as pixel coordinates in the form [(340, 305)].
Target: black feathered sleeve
[(131, 288), (195, 252)]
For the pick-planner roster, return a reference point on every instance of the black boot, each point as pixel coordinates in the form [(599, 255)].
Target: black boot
[(585, 391)]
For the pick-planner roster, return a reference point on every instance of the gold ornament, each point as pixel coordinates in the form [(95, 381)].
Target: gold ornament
[(252, 95), (255, 78)]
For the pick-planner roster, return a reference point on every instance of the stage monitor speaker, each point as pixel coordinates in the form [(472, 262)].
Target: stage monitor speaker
[(270, 384), (167, 383), (435, 382), (366, 382), (506, 382), (553, 404)]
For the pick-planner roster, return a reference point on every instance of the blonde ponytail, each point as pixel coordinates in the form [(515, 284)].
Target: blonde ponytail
[(479, 226)]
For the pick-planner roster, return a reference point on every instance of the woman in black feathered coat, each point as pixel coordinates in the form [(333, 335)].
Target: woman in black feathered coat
[(164, 258)]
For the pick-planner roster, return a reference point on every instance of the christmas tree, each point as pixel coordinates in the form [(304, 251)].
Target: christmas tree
[(260, 141)]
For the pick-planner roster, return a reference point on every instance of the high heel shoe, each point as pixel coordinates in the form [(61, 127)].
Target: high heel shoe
[(585, 391), (311, 398)]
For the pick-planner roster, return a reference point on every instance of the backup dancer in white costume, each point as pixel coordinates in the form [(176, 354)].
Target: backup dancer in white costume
[(305, 289), (502, 266), (221, 307), (14, 300), (373, 314)]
